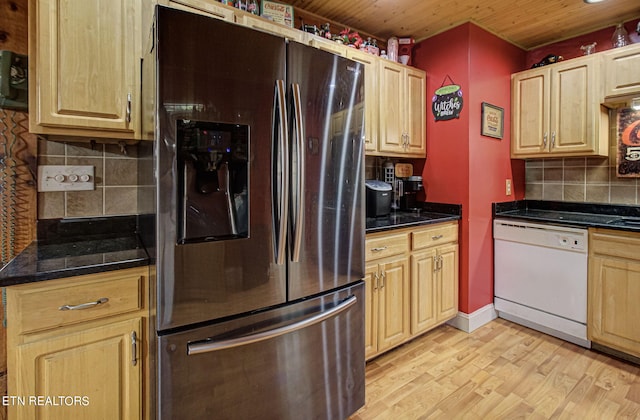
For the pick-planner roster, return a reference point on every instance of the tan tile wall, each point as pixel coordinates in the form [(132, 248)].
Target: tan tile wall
[(591, 180), (116, 180)]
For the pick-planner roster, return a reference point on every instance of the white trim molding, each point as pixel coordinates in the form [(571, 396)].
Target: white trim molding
[(475, 320)]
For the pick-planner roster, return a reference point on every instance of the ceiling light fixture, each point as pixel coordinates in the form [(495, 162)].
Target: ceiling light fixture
[(635, 104), (592, 1)]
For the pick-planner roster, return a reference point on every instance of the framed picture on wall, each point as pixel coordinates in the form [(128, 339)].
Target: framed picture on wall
[(492, 121)]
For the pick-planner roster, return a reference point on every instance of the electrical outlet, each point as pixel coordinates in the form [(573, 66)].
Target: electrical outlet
[(508, 187), (65, 178)]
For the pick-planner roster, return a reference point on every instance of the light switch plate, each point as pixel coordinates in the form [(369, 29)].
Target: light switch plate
[(65, 178)]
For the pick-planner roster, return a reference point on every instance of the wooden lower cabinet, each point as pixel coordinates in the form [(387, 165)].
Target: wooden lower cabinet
[(412, 287), (90, 369), (90, 374), (434, 287), (614, 290), (387, 316)]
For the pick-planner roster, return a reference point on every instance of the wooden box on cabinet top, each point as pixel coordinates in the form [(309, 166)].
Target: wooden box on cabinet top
[(91, 343)]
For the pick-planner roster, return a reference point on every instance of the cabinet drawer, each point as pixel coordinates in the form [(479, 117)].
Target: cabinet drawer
[(386, 246), (37, 307), (435, 235)]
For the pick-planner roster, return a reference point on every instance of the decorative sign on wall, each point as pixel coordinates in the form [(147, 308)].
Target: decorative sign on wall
[(628, 161), (277, 12), (492, 121), (446, 103)]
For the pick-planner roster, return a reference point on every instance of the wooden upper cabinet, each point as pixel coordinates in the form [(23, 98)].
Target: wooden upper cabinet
[(371, 108), (556, 111), (416, 112), (530, 93), (622, 77), (402, 110), (84, 63)]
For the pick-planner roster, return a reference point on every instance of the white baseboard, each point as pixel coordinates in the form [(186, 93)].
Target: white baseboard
[(475, 320)]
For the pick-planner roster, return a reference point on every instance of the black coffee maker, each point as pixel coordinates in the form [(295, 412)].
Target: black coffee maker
[(407, 190)]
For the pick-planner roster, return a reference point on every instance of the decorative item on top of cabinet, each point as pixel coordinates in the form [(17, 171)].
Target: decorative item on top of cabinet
[(402, 110), (614, 290), (621, 73), (556, 110), (83, 337), (85, 78)]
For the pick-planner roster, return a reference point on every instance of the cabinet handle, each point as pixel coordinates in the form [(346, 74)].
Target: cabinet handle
[(83, 305), (435, 263), (436, 237), (379, 249), (134, 349), (382, 277), (377, 279), (553, 139), (128, 116), (439, 262), (544, 140)]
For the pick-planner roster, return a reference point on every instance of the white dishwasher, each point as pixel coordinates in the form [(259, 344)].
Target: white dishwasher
[(541, 277)]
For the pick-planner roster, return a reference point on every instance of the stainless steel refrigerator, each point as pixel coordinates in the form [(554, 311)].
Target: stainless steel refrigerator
[(259, 223)]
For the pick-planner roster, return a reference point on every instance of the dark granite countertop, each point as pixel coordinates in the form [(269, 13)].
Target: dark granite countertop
[(72, 247), (612, 216), (429, 213)]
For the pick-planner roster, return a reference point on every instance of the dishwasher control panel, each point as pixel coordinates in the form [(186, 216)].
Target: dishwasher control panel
[(537, 234), (568, 241)]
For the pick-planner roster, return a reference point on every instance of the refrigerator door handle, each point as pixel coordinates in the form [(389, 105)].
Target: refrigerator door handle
[(280, 175), (206, 346), (298, 199)]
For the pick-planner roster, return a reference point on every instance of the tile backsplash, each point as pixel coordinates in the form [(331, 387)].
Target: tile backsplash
[(591, 180), (116, 180)]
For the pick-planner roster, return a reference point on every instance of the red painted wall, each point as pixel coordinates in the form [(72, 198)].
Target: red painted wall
[(570, 48), (462, 166)]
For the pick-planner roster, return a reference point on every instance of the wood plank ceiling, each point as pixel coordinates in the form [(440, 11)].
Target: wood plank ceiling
[(527, 24)]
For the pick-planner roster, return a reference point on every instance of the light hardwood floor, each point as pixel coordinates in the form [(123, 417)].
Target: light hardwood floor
[(500, 371)]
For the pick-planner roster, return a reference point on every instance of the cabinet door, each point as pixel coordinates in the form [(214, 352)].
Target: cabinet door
[(530, 92), (371, 310), (393, 301), (423, 291), (371, 103), (98, 363), (416, 114), (614, 288), (447, 287), (85, 67), (391, 107), (621, 76), (573, 122)]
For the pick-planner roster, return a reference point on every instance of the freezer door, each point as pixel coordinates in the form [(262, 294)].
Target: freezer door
[(302, 361), (327, 178), (217, 191)]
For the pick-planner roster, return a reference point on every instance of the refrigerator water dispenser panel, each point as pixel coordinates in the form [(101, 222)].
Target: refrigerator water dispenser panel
[(214, 173)]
